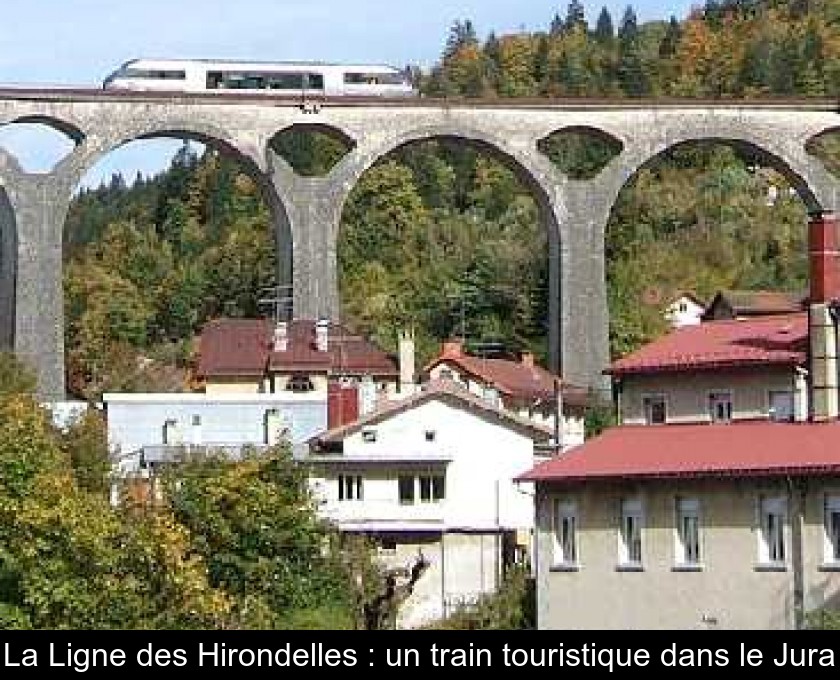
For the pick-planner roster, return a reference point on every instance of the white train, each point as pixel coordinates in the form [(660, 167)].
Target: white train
[(294, 78)]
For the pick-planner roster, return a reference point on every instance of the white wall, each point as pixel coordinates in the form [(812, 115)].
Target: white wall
[(485, 455)]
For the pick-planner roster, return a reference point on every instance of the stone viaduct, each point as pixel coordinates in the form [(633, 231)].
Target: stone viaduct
[(306, 211)]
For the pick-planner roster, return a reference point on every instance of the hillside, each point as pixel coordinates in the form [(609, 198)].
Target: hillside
[(443, 237)]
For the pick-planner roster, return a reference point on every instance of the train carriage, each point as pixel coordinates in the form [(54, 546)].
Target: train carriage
[(293, 78)]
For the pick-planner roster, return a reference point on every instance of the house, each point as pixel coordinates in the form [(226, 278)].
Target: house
[(685, 310), (717, 371), (433, 474), (737, 304), (259, 356), (522, 387), (716, 502), (146, 430)]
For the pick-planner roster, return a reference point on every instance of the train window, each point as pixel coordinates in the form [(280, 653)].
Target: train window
[(315, 81), (374, 78), (155, 74), (285, 81)]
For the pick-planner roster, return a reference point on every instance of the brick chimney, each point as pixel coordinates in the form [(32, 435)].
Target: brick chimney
[(322, 335), (824, 258), (453, 349)]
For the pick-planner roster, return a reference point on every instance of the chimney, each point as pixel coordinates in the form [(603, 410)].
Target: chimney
[(527, 359), (322, 332), (281, 336), (453, 349), (823, 243), (406, 359)]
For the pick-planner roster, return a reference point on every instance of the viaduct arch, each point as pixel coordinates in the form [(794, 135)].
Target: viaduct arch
[(306, 211)]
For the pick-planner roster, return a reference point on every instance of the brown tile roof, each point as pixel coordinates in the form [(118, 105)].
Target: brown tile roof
[(446, 390), (728, 303), (233, 347), (517, 379), (760, 341), (243, 347)]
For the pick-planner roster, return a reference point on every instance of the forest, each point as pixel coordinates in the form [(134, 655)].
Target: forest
[(149, 259), (443, 237)]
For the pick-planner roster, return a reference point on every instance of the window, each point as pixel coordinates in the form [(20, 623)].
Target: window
[(431, 488), (720, 407), (771, 547), (430, 435), (565, 533), (781, 406), (349, 487), (630, 533), (406, 490), (196, 421), (446, 374), (369, 436), (832, 529), (170, 431), (299, 383), (655, 410), (425, 488), (688, 531)]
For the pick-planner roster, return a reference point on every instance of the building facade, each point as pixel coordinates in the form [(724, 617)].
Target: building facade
[(714, 504), (433, 474), (520, 387)]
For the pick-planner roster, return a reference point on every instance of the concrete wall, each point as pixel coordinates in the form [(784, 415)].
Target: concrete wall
[(248, 385), (730, 591), (687, 400)]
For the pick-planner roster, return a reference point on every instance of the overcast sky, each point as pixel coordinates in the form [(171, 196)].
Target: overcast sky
[(78, 42)]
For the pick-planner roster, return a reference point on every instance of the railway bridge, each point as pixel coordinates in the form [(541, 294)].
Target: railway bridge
[(306, 211)]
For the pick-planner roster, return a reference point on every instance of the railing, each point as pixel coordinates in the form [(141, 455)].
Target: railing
[(383, 511), (179, 453)]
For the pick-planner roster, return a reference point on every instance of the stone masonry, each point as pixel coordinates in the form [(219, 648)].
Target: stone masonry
[(306, 211)]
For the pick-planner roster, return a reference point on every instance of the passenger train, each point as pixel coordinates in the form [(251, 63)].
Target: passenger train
[(293, 78)]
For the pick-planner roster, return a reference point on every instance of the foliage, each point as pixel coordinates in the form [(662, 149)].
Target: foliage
[(15, 376), (511, 607), (254, 524)]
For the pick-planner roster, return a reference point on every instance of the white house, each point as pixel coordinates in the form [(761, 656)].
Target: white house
[(433, 473), (686, 310)]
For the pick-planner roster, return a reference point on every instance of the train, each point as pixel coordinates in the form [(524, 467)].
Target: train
[(278, 78)]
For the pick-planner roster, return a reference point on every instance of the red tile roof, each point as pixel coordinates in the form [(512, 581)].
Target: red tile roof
[(243, 347), (755, 448), (517, 379), (446, 390), (778, 340)]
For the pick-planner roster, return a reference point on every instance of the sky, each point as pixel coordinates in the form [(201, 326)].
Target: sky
[(79, 42)]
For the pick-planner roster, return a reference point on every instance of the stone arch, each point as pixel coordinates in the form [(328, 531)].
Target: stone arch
[(65, 127), (87, 155), (535, 173), (612, 145), (61, 133), (806, 175), (337, 134)]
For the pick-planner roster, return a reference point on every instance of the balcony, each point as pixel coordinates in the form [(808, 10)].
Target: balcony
[(156, 454), (378, 515)]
